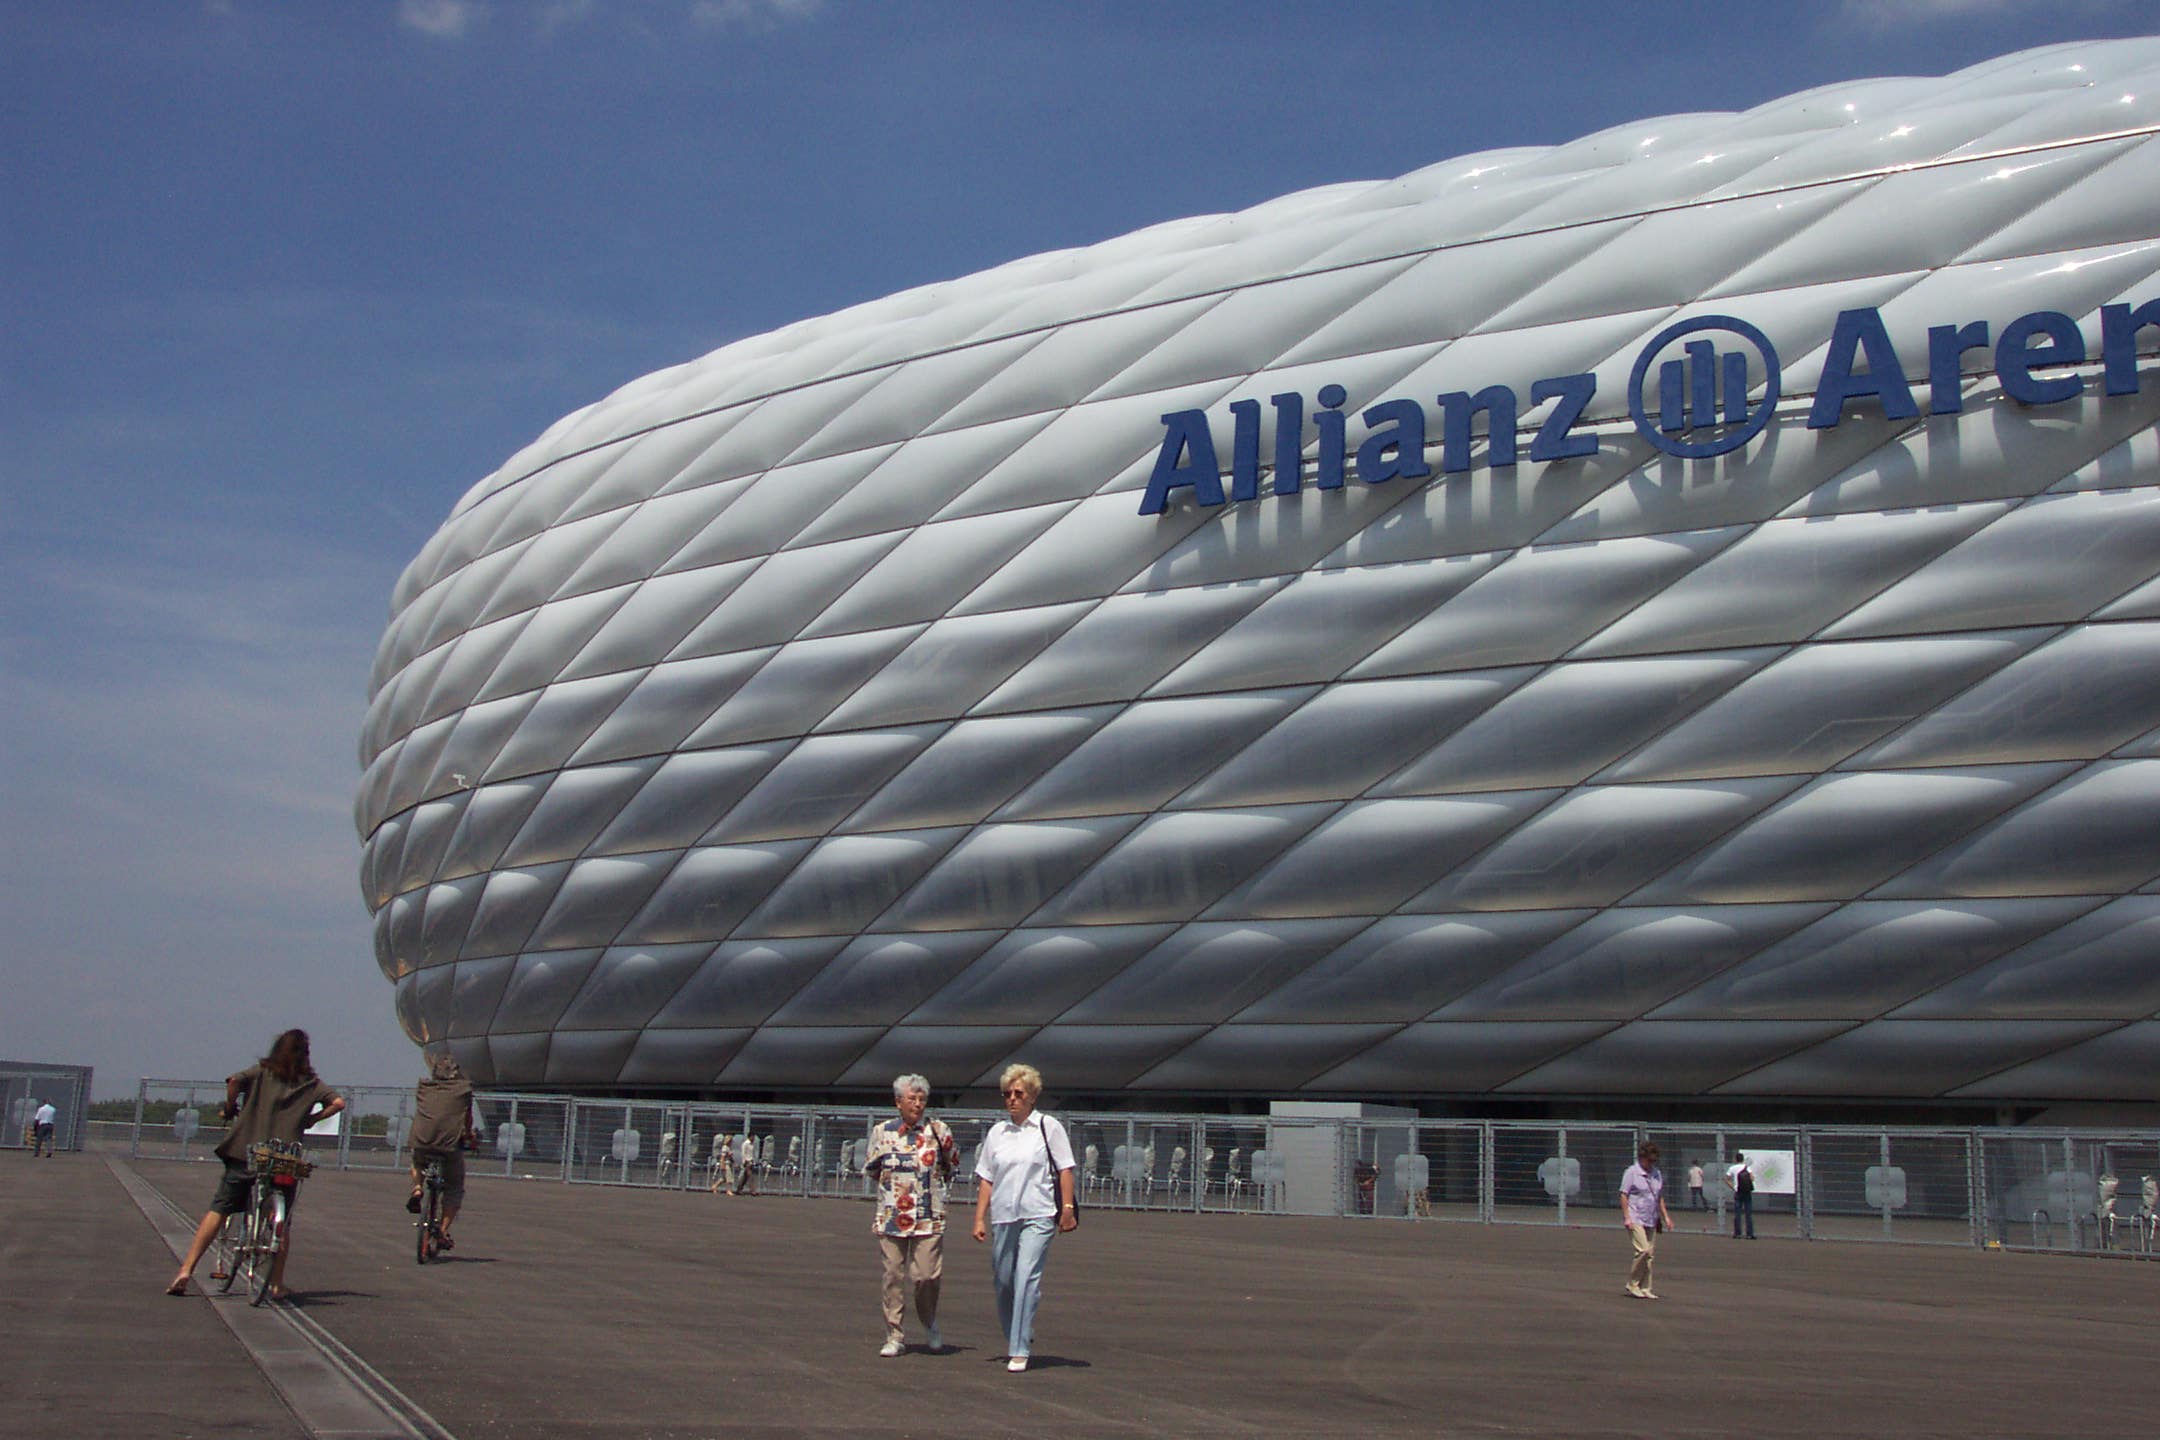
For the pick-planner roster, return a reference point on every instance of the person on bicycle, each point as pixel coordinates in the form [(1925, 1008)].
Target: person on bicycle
[(276, 1098), (442, 1131)]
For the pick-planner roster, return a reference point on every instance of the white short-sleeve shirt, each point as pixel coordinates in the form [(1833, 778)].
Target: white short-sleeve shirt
[(1015, 1161)]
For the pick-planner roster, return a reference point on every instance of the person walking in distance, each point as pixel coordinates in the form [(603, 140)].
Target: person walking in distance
[(41, 1129), (746, 1165), (1023, 1191), (1694, 1186), (1642, 1211), (1740, 1179), (912, 1159)]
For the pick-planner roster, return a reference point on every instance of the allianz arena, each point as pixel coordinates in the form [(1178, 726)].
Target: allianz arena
[(1674, 615)]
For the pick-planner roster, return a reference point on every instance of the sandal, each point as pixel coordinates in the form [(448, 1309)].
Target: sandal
[(178, 1289)]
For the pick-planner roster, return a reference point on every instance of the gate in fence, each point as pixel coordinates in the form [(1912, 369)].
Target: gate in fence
[(26, 1087)]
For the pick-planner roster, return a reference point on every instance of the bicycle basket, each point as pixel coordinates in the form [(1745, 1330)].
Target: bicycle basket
[(280, 1160)]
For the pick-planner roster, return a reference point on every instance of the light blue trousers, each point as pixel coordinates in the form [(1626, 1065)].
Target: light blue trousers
[(1017, 1253)]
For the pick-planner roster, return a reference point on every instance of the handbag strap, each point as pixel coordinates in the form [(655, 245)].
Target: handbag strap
[(1050, 1155)]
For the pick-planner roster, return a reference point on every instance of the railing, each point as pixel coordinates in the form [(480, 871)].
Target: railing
[(2084, 1191)]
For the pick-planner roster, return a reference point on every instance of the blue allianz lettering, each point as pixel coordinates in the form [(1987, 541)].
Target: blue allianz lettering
[(1689, 380)]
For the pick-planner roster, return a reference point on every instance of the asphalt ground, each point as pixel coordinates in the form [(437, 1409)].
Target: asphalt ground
[(581, 1312)]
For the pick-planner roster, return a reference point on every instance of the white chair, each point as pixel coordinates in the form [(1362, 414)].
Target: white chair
[(1175, 1177), (1233, 1184), (793, 1164), (666, 1156)]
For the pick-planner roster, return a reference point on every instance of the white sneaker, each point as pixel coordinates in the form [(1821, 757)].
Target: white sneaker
[(894, 1345), (1016, 1364), (936, 1341)]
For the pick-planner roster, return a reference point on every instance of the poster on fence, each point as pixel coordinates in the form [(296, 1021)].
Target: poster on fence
[(1773, 1171)]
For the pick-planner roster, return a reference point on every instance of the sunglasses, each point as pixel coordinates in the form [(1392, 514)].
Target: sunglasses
[(1015, 1092)]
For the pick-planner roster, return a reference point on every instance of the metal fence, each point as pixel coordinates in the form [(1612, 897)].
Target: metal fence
[(26, 1087), (2083, 1191)]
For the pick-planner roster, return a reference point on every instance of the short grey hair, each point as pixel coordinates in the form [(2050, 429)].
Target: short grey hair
[(904, 1085)]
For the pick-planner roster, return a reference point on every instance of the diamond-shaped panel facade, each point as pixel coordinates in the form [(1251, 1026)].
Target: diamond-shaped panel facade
[(1552, 703)]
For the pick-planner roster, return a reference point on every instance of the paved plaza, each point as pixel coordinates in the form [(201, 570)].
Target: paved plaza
[(582, 1312)]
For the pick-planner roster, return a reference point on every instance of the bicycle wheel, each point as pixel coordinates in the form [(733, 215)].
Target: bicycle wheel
[(424, 1228), (230, 1252), (269, 1226)]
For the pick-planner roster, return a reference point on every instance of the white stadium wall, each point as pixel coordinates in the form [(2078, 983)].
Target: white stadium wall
[(1671, 615)]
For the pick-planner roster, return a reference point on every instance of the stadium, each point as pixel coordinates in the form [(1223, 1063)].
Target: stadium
[(1668, 618)]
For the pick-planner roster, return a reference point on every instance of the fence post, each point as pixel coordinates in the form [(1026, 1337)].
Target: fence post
[(1720, 1186), (1563, 1175), (1485, 1172), (1804, 1182), (1885, 1163), (142, 1093), (2070, 1195), (1975, 1189)]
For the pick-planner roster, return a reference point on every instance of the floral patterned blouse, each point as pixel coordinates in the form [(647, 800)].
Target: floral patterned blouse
[(913, 1165)]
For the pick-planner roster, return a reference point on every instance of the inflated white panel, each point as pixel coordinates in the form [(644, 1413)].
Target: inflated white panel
[(827, 706), (930, 568), (792, 690), (1787, 580), (711, 889), (1845, 834), (2054, 559), (1809, 710), (1541, 603), (1149, 753)]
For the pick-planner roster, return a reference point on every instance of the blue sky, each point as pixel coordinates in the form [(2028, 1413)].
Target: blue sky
[(282, 279)]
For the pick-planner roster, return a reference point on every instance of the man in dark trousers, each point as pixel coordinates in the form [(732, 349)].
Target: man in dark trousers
[(1740, 1179)]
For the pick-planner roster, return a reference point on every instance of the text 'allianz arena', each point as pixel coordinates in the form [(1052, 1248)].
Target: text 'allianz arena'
[(1671, 615)]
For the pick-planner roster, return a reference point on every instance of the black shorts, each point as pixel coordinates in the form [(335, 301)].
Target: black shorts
[(232, 1191), (453, 1170)]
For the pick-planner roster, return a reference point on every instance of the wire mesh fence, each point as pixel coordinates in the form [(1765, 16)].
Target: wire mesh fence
[(2084, 1191)]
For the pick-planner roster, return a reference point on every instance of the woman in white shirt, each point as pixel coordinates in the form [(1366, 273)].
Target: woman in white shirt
[(1023, 1196)]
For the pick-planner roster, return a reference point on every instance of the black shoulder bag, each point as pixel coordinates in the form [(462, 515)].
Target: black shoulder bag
[(1057, 1201)]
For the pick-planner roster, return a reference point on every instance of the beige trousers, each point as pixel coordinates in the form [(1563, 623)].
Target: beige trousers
[(920, 1258), (1638, 1275)]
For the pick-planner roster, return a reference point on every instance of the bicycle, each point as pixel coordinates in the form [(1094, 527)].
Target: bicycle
[(427, 1230), (250, 1242)]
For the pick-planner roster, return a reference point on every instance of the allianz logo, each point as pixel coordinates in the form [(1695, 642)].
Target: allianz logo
[(1702, 387)]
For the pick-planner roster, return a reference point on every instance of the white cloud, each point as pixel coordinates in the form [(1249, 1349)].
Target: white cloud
[(443, 19), (752, 14), (558, 15), (1882, 16)]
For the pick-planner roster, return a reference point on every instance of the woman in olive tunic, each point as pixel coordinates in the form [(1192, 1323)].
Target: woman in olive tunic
[(277, 1098)]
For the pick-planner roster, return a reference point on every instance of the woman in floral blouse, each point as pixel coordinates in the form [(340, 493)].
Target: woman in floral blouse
[(912, 1159)]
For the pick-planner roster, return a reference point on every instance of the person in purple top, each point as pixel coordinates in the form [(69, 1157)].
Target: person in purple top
[(1642, 1210)]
